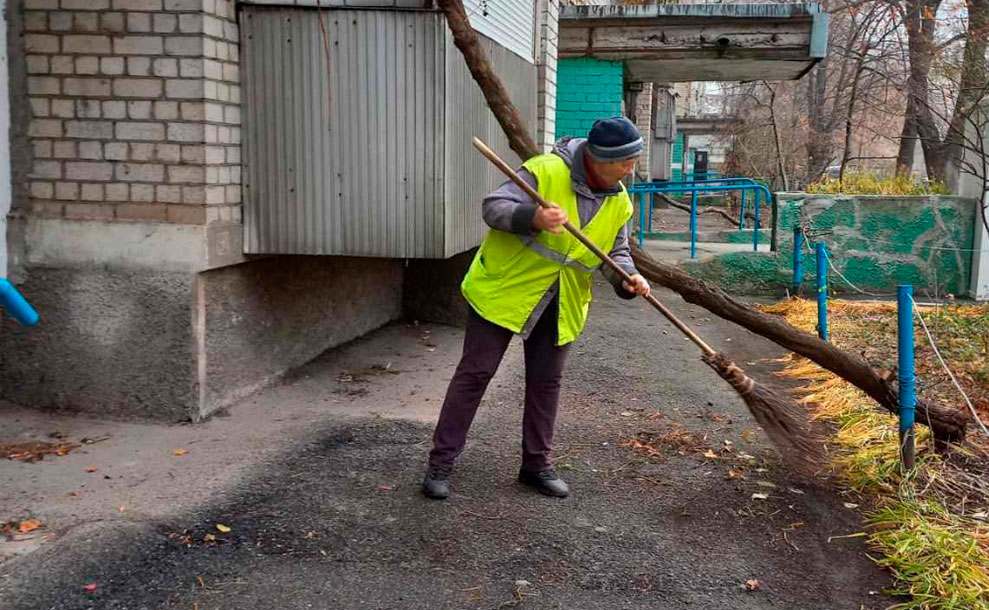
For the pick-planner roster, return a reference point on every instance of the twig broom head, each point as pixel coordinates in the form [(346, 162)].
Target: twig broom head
[(784, 422)]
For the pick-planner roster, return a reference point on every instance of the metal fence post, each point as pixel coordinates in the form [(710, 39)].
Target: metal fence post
[(642, 211), (756, 198), (693, 224), (908, 399), (798, 259), (652, 200), (822, 291), (741, 216)]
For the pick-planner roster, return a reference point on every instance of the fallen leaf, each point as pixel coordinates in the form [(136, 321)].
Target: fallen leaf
[(121, 508), (752, 585), (735, 474), (180, 452), (223, 529), (747, 435), (983, 516), (851, 505), (745, 456), (28, 526), (92, 469), (710, 454), (758, 496), (90, 588), (626, 414), (728, 443), (209, 538), (765, 484)]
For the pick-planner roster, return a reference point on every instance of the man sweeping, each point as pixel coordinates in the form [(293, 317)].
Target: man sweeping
[(532, 278)]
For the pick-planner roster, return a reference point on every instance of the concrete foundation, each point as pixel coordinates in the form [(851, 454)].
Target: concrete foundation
[(136, 342), (259, 319), (111, 342), (432, 290)]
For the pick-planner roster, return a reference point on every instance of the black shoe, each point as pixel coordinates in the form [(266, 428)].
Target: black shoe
[(436, 484), (545, 482)]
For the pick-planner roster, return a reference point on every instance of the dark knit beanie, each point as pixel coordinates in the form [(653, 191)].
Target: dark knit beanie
[(614, 139)]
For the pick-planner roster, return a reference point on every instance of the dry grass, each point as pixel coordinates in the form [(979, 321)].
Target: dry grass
[(869, 329), (929, 524)]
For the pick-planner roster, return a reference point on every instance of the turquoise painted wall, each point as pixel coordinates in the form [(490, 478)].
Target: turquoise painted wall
[(876, 242), (677, 157), (587, 90)]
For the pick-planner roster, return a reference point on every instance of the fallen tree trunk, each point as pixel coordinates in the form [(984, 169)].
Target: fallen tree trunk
[(946, 424), (494, 92)]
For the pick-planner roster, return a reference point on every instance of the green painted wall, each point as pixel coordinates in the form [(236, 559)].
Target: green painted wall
[(876, 242), (587, 90), (677, 157)]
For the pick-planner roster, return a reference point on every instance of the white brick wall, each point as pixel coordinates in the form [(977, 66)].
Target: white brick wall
[(643, 121), (546, 72), (136, 109)]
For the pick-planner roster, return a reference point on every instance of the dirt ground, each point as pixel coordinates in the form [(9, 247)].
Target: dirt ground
[(317, 480)]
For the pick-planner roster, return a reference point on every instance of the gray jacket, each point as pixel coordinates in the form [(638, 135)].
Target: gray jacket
[(509, 208)]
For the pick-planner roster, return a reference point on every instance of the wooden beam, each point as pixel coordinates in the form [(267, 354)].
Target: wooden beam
[(627, 42)]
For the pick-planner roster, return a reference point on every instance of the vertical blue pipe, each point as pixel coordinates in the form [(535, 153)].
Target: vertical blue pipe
[(908, 399), (693, 224), (756, 200), (652, 199), (822, 291), (798, 259), (642, 206), (741, 216)]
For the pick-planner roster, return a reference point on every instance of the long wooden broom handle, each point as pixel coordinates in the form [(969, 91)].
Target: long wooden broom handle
[(607, 260)]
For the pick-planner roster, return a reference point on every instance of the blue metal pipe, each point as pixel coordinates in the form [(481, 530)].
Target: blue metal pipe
[(741, 215), (798, 259), (905, 371), (693, 225), (642, 206), (16, 305), (822, 291), (652, 201), (756, 200)]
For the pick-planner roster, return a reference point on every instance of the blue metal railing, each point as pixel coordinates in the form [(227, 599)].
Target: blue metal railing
[(643, 191), (713, 181)]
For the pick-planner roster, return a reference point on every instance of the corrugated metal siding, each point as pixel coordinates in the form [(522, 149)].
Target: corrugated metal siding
[(510, 23), (469, 176), (360, 174)]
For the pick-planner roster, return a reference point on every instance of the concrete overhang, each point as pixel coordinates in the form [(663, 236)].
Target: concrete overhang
[(705, 125), (699, 42)]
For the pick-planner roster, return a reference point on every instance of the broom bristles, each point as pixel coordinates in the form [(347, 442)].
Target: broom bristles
[(784, 422)]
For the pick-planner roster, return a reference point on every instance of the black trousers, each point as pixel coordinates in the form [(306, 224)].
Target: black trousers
[(484, 346)]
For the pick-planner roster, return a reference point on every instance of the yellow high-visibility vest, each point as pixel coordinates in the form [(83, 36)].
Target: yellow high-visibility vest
[(510, 273)]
